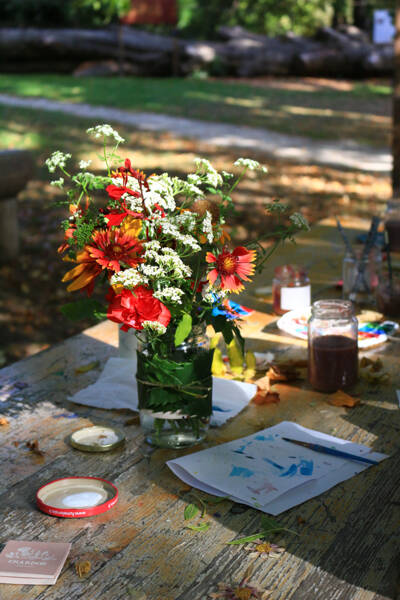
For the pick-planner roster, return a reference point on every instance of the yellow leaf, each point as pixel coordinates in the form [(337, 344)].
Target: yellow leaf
[(235, 357), (214, 341), (86, 368), (250, 360), (218, 366)]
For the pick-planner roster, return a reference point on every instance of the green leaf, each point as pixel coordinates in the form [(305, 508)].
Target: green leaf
[(190, 512), (201, 527), (269, 523), (183, 329), (84, 309), (249, 538)]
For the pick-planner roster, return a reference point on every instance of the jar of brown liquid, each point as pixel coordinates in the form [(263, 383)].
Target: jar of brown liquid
[(332, 345)]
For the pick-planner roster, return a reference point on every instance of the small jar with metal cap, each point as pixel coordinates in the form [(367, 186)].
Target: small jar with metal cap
[(332, 345), (291, 289)]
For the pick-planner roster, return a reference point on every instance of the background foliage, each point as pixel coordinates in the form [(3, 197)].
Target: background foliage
[(198, 18)]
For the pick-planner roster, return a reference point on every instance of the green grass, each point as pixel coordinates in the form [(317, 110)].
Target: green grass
[(361, 113)]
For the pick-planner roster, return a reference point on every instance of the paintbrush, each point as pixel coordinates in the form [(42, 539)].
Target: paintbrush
[(332, 451), (345, 239)]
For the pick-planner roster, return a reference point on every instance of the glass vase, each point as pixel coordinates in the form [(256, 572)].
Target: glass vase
[(175, 390)]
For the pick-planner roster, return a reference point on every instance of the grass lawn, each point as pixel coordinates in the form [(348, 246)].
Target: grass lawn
[(357, 111), (31, 291)]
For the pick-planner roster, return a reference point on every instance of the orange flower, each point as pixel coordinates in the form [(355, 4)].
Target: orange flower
[(108, 250), (232, 267)]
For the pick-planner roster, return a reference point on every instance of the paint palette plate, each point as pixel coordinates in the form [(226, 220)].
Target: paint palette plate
[(74, 497), (295, 322)]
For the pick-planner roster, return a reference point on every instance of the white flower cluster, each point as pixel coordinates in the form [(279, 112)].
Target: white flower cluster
[(252, 165), (162, 188), (167, 264), (299, 221), (84, 164), (154, 327), (130, 278), (133, 203), (57, 159), (106, 131), (207, 227), (214, 297), (186, 219), (211, 175), (186, 188), (170, 294), (58, 183), (172, 230)]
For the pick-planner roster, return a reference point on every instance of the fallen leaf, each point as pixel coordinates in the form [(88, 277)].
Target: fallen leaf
[(83, 568), (340, 398), (4, 421), (266, 397), (16, 444), (34, 447), (88, 367)]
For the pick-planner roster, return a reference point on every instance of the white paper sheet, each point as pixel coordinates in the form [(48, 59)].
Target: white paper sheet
[(116, 388), (268, 473)]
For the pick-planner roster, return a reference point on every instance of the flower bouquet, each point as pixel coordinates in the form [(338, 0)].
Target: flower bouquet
[(160, 247)]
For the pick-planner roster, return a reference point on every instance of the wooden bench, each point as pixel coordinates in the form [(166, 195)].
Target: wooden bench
[(16, 169)]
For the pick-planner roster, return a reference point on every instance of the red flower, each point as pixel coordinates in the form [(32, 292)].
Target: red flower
[(232, 268), (127, 170), (116, 191), (132, 308), (111, 248)]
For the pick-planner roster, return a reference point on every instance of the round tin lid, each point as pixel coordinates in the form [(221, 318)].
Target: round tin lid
[(98, 438), (76, 497)]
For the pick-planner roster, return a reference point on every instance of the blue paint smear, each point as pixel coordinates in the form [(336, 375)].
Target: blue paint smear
[(264, 438), (241, 472), (306, 467), (292, 470), (240, 450), (274, 464), (218, 409)]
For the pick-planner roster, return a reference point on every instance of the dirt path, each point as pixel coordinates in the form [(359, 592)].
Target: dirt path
[(345, 154)]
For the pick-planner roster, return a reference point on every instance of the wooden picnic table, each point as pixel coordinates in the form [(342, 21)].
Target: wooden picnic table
[(347, 544)]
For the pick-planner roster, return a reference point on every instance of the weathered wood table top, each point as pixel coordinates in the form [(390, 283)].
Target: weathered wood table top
[(347, 544)]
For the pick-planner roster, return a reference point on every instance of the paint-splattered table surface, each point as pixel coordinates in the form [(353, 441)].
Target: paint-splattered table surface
[(347, 544)]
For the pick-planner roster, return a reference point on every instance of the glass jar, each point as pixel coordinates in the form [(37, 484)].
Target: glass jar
[(291, 289), (388, 296), (175, 390), (332, 345), (361, 276), (392, 225)]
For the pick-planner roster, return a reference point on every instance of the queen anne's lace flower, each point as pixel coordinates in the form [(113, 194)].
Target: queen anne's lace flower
[(170, 294), (299, 221), (57, 159), (105, 131), (130, 278), (84, 164), (207, 227), (154, 326), (252, 165), (211, 175), (58, 182)]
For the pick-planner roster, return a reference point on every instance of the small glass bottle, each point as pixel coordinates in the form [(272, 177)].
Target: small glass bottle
[(361, 276), (291, 289), (332, 345), (392, 225)]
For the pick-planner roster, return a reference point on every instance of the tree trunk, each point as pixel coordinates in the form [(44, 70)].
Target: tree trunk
[(396, 108)]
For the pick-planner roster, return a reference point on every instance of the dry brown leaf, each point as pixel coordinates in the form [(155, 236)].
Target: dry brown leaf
[(340, 398), (33, 446), (4, 421), (83, 568), (266, 397)]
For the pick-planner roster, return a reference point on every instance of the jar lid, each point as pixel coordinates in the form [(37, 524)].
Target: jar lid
[(75, 497), (333, 309), (97, 438)]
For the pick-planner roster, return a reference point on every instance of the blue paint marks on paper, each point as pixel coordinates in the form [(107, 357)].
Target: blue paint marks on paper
[(241, 472), (219, 409), (306, 467), (66, 416), (274, 464), (264, 438), (291, 471)]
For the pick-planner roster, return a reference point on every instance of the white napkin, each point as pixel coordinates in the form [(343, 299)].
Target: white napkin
[(116, 388)]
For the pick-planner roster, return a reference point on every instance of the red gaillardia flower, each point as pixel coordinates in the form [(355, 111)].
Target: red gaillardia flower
[(133, 308), (232, 268), (111, 248)]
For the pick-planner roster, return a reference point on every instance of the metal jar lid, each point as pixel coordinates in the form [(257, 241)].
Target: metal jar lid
[(97, 438)]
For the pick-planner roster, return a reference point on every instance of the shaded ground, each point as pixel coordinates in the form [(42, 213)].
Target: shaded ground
[(30, 288)]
